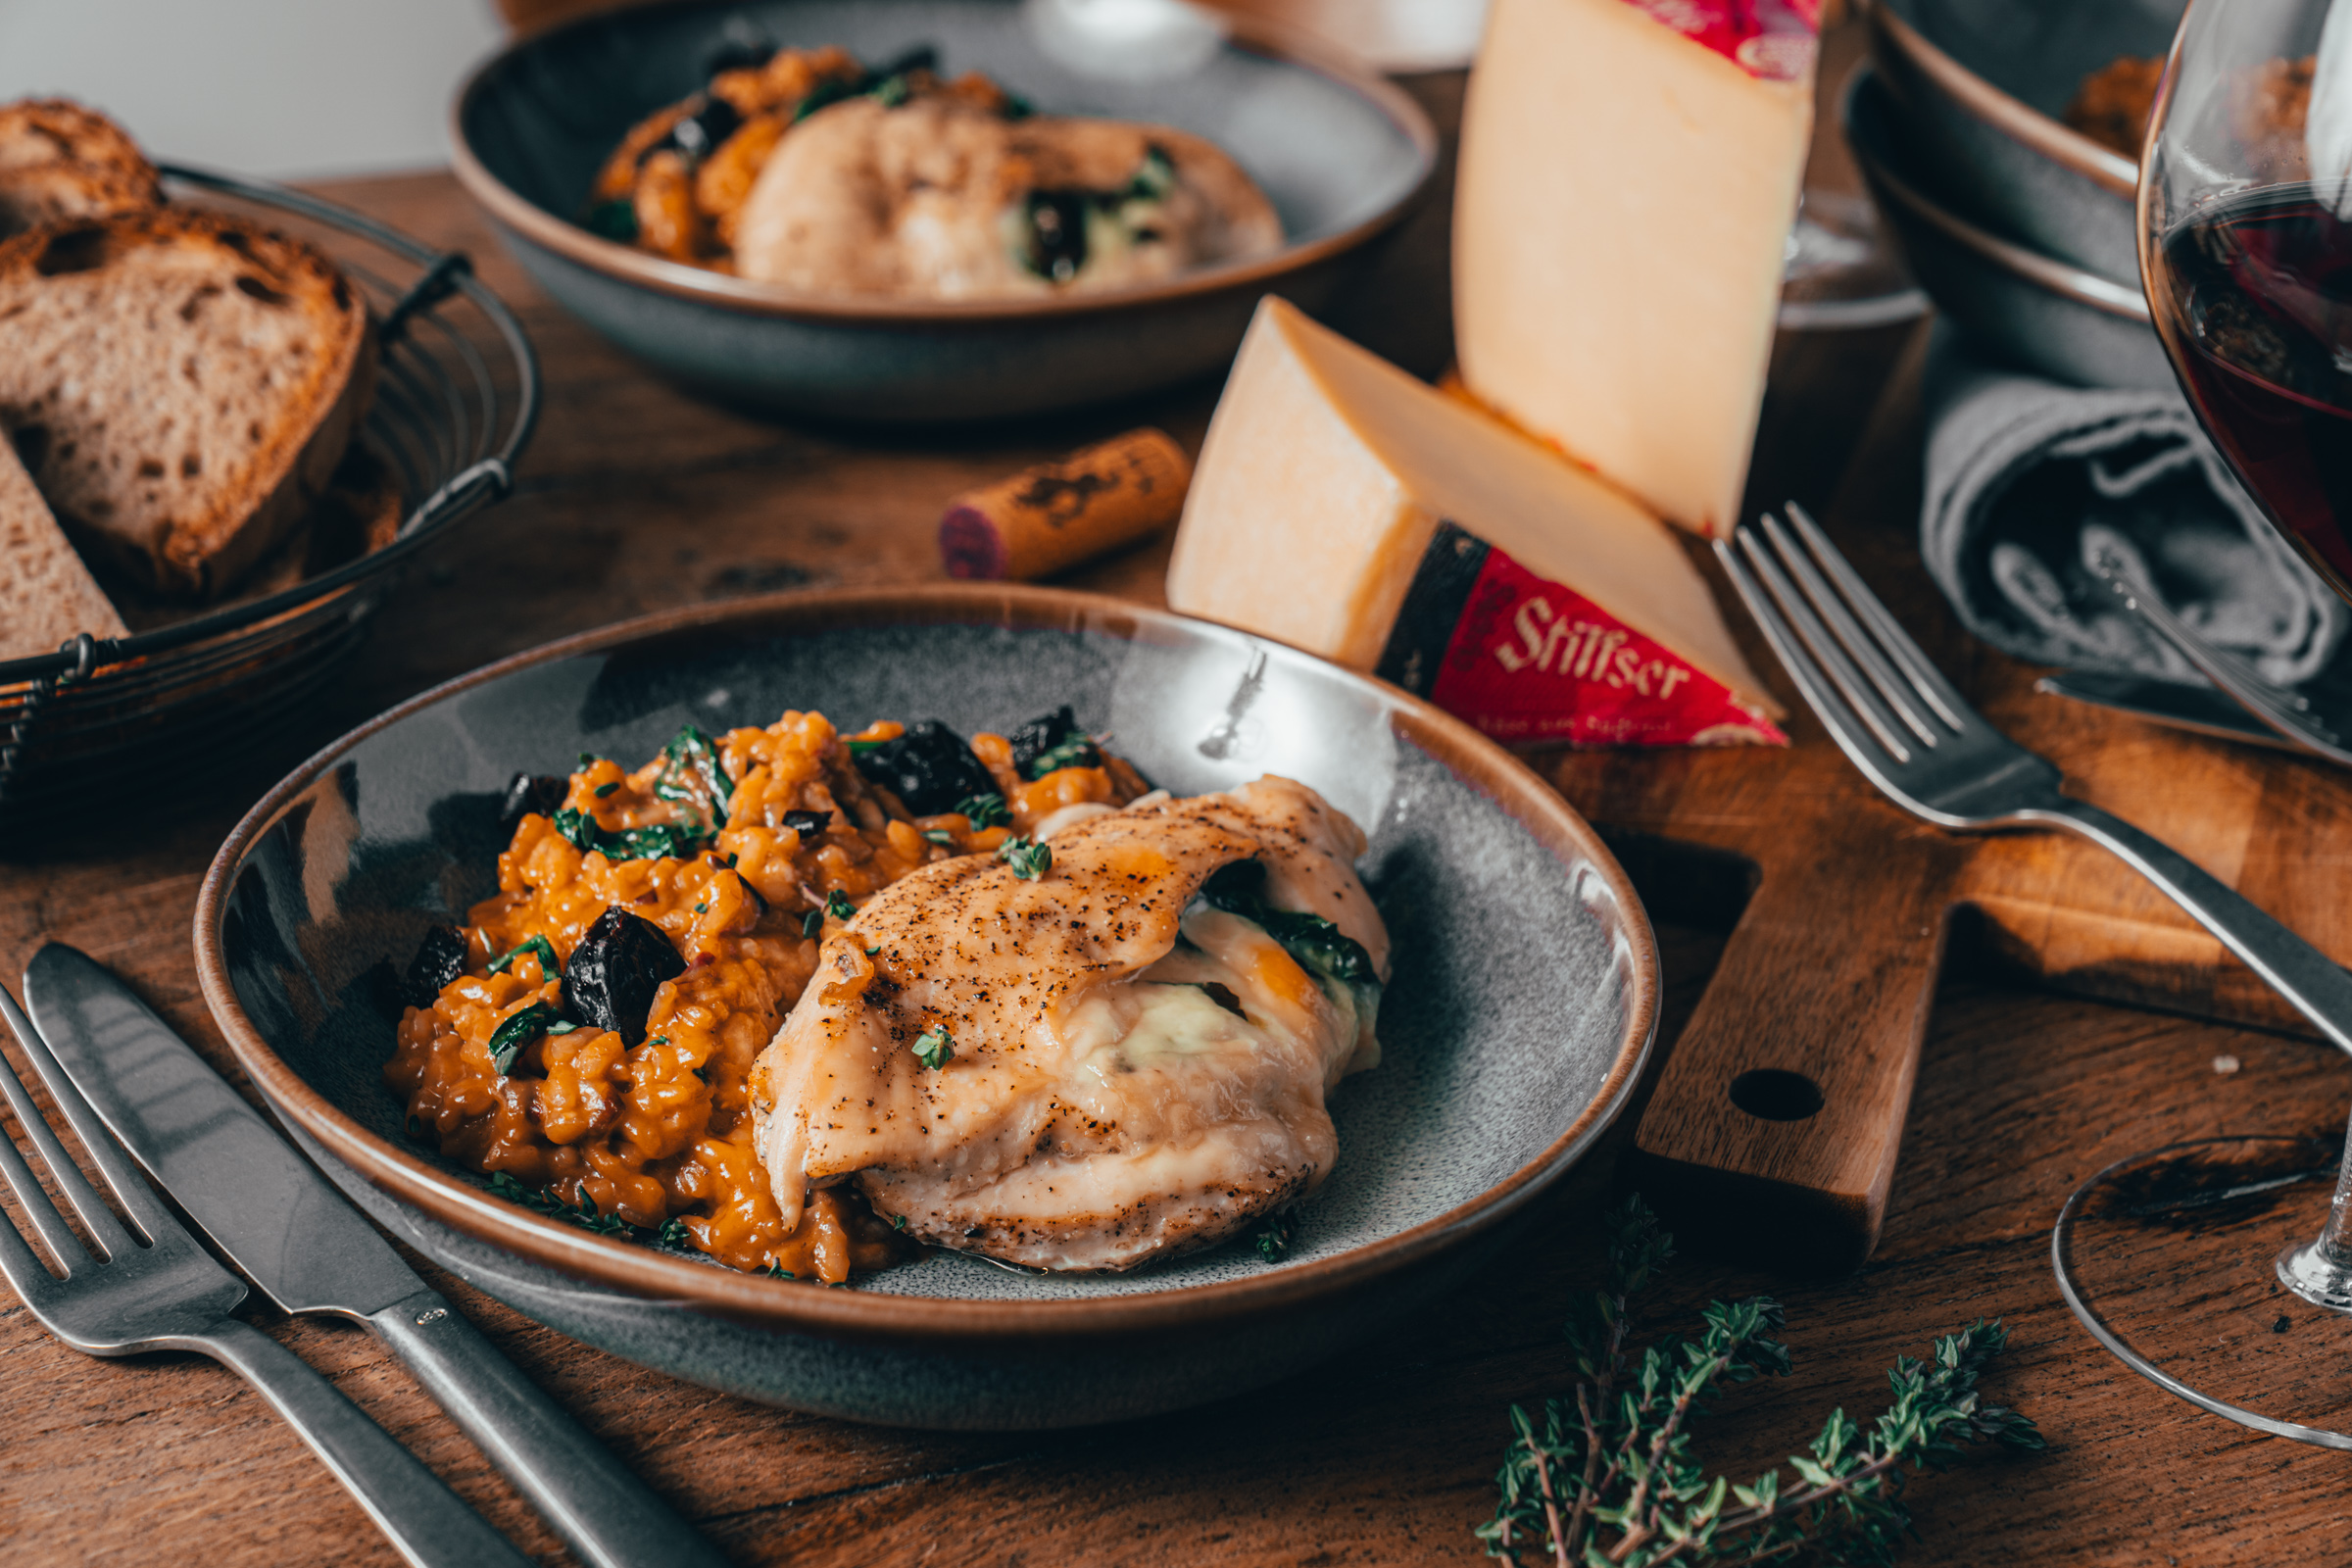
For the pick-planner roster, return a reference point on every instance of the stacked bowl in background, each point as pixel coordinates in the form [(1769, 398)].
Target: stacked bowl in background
[(2021, 229)]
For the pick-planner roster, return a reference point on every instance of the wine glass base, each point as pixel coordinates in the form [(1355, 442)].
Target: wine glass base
[(2315, 1276), (2165, 1259)]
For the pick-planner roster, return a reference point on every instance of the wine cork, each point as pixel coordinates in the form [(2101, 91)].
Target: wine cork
[(1057, 515)]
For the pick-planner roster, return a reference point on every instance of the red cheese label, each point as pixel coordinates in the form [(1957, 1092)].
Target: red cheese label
[(1527, 661), (1772, 40)]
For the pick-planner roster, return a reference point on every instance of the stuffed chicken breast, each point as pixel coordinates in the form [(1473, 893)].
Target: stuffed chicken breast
[(1091, 1057)]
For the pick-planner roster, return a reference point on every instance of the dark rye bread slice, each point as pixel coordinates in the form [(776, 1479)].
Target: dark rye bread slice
[(180, 384), (46, 593), (60, 162)]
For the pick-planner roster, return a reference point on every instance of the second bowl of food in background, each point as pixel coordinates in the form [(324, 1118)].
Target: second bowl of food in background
[(991, 302)]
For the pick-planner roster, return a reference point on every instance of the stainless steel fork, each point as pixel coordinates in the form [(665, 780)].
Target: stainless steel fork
[(1914, 737), (160, 1290)]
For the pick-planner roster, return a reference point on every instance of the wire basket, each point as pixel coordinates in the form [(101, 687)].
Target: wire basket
[(456, 394)]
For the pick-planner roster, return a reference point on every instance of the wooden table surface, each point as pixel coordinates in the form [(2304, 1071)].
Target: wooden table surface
[(634, 498)]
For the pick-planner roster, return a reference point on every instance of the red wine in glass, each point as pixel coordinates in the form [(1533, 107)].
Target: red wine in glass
[(2255, 294)]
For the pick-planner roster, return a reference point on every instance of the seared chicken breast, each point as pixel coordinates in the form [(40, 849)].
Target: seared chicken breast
[(1120, 1058), (940, 198)]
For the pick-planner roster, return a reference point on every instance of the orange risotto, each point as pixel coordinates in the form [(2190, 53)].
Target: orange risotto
[(601, 1058)]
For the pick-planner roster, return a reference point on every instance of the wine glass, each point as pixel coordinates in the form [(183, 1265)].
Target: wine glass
[(2246, 254)]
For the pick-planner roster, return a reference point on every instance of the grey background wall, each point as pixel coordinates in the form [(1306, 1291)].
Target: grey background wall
[(273, 87)]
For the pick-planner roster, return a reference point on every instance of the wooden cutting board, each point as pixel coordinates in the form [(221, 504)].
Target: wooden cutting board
[(1845, 904)]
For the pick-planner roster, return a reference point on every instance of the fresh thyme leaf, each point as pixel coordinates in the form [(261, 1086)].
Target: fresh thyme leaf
[(839, 906), (692, 772), (934, 1048), (1028, 860), (941, 837), (898, 1222), (1606, 1476), (777, 1271), (549, 964), (861, 747), (584, 1215), (674, 1233), (812, 924), (605, 789), (589, 759), (702, 908), (984, 812), (563, 1028), (520, 1031), (657, 841), (1275, 1235)]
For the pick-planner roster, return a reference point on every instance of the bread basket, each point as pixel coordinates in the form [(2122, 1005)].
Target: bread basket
[(457, 395)]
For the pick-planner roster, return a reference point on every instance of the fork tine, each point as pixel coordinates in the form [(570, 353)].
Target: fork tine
[(1925, 677), (1860, 705), (1891, 688), (105, 1230), (149, 1219), (19, 1264), (1812, 682), (64, 1246)]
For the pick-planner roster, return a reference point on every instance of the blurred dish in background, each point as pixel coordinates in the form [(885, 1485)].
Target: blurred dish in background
[(1396, 35), (1339, 154)]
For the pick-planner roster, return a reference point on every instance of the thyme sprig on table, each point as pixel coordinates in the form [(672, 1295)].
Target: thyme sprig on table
[(1606, 1479)]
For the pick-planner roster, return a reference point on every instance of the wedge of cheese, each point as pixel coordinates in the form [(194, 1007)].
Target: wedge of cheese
[(1628, 175), (1345, 508)]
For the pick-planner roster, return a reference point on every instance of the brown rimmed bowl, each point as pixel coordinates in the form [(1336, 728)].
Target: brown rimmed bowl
[(1983, 85), (1523, 1006), (1339, 151)]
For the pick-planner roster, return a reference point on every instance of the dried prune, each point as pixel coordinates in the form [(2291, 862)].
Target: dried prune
[(1056, 740), (615, 971), (440, 958), (929, 768), (542, 792)]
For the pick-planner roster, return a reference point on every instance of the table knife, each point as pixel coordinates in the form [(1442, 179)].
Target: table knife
[(286, 1227)]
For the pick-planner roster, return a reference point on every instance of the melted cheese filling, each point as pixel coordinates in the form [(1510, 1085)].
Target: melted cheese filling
[(1183, 1007)]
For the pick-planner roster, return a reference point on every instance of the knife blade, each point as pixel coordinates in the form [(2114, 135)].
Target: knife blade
[(2199, 710), (281, 1222)]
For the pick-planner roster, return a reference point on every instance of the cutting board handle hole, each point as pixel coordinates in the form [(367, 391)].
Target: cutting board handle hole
[(1775, 1094)]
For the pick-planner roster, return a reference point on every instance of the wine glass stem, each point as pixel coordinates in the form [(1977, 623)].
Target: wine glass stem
[(2321, 1272)]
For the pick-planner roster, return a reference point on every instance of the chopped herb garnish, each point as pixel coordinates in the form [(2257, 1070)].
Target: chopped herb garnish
[(563, 1028), (1275, 1235), (655, 842), (812, 924), (583, 1213), (415, 1128), (520, 1031), (589, 759), (1028, 860), (702, 908), (1317, 943), (614, 221), (873, 952), (605, 789), (839, 906), (673, 1233), (1076, 752), (777, 1271), (933, 1048), (549, 964), (898, 1222), (691, 772), (1016, 107), (984, 812), (941, 837), (658, 1039), (861, 747)]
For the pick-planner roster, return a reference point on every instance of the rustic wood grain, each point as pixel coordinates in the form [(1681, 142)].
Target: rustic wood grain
[(635, 498)]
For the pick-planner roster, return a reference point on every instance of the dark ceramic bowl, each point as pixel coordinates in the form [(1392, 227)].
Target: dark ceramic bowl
[(1523, 1004), (1339, 151), (1981, 85), (2041, 313)]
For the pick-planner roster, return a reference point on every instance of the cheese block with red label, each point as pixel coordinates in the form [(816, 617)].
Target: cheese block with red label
[(1628, 175), (1345, 508)]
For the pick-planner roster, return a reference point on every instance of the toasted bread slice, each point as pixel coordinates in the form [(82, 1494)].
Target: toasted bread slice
[(180, 384), (60, 162), (46, 594)]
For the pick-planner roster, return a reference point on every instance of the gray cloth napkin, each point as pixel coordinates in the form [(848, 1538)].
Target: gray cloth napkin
[(2029, 480)]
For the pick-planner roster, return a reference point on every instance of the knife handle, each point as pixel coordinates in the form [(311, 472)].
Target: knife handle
[(430, 1524), (611, 1518)]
